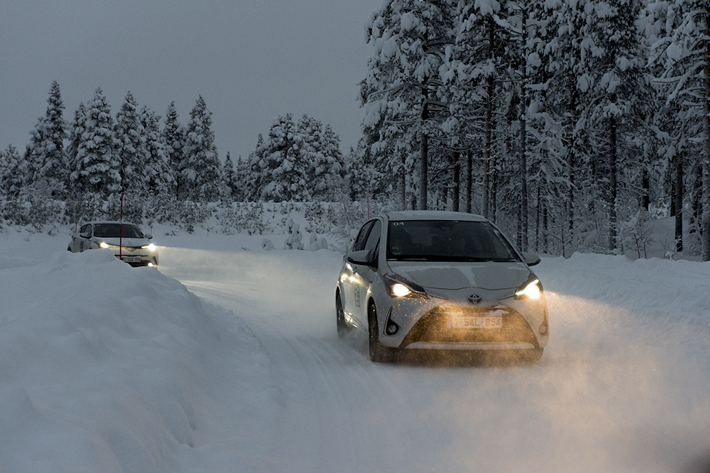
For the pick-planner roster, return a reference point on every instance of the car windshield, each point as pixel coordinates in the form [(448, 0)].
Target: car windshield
[(447, 240), (111, 230)]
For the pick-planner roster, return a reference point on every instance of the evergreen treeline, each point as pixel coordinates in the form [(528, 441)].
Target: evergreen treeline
[(570, 123), (565, 121), (79, 170)]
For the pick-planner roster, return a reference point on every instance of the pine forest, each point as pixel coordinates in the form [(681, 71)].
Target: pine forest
[(571, 124)]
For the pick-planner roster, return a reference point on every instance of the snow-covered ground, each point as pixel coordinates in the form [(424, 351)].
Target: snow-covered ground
[(226, 359)]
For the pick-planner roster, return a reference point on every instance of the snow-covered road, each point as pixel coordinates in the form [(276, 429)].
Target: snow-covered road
[(624, 385), (114, 369)]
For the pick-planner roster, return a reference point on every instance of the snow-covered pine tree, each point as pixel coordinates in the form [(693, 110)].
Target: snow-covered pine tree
[(97, 166), (13, 172), (402, 83), (542, 144), (48, 161), (682, 30), (322, 152), (621, 93), (329, 183), (241, 173), (173, 136), (158, 174), (250, 173), (202, 172), (229, 176), (566, 100), (129, 138), (74, 157), (284, 163)]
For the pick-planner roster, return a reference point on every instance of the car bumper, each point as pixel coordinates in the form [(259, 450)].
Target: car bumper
[(137, 258), (424, 324)]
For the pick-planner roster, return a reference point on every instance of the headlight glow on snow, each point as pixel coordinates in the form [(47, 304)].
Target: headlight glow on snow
[(530, 291)]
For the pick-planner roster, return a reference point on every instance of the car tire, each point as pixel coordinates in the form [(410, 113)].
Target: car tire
[(378, 352), (343, 326)]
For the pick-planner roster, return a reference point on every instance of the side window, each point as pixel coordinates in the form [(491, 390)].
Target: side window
[(359, 243), (374, 237)]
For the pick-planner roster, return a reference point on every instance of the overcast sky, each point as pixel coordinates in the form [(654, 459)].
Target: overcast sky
[(251, 60)]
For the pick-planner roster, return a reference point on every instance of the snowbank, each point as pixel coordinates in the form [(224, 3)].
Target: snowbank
[(109, 368)]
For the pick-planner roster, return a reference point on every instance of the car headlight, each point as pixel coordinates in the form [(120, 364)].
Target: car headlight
[(150, 247), (397, 286), (103, 244), (530, 289)]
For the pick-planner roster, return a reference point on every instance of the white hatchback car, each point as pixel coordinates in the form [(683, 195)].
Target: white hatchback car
[(126, 240), (440, 280)]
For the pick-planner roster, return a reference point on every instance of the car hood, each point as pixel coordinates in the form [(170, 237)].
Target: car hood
[(127, 242), (452, 276)]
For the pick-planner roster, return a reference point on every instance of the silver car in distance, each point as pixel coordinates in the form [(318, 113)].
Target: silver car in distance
[(443, 281), (126, 240)]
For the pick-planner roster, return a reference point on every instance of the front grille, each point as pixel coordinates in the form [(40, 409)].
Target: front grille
[(432, 327)]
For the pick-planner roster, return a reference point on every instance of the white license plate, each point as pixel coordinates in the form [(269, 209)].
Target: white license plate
[(132, 259), (490, 322)]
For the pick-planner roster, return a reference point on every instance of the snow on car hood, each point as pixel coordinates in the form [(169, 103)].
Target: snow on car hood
[(439, 275)]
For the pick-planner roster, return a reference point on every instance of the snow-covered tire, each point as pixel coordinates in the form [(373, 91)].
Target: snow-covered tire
[(378, 352), (343, 326)]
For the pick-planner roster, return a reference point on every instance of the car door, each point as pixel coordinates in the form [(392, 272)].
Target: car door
[(366, 274), (350, 294), (80, 241)]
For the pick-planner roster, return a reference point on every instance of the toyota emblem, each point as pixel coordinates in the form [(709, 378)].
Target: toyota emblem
[(474, 299)]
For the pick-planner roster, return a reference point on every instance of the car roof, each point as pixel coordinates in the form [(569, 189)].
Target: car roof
[(433, 215)]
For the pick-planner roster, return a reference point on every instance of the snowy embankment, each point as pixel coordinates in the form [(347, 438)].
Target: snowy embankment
[(109, 368), (114, 369)]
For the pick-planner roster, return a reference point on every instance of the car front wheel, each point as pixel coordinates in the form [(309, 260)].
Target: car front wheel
[(378, 352), (340, 316)]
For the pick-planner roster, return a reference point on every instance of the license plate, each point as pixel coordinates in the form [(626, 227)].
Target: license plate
[(132, 259), (489, 322)]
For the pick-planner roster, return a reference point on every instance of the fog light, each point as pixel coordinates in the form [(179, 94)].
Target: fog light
[(392, 328), (543, 329)]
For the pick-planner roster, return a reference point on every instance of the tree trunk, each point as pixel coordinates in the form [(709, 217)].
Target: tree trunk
[(492, 209), (537, 221), (545, 249), (424, 151), (706, 139), (523, 183), (423, 170), (571, 163), (613, 224), (678, 202), (404, 183), (457, 182), (523, 142), (487, 150), (489, 124), (645, 188), (469, 180)]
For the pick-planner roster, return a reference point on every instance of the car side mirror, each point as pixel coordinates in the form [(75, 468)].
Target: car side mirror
[(362, 257), (531, 259), (85, 235), (148, 236)]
